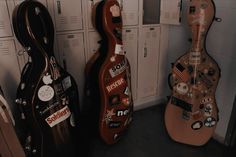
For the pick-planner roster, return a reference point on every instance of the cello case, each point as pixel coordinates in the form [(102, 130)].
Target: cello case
[(108, 76), (191, 114), (47, 95)]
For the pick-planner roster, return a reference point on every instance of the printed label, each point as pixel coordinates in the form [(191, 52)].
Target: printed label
[(66, 83), (58, 116), (195, 57), (119, 49), (118, 69), (121, 113), (45, 93), (114, 85)]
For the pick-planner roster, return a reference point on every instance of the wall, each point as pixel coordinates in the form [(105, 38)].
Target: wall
[(221, 45)]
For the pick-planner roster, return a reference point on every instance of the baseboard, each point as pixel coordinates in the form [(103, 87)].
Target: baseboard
[(219, 138), (151, 102)]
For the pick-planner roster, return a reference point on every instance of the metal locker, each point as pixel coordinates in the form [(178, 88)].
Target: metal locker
[(9, 67), (171, 12), (131, 48), (148, 62), (68, 15), (90, 4), (71, 51), (129, 12), (5, 24)]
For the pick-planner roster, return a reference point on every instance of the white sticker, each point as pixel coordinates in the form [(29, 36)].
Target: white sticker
[(45, 93), (66, 83), (115, 10), (117, 69), (119, 49), (182, 88), (58, 116), (47, 79)]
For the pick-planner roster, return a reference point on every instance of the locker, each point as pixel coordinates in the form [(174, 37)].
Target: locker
[(148, 62), (131, 49), (5, 24), (68, 16), (170, 12), (10, 73), (90, 4), (71, 50), (44, 2), (129, 12), (93, 39)]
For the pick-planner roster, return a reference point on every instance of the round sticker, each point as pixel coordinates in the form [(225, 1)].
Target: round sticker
[(210, 122), (47, 79), (45, 93)]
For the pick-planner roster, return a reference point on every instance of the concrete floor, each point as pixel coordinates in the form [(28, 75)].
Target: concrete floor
[(147, 137)]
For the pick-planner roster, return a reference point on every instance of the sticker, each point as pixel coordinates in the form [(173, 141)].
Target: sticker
[(113, 124), (119, 49), (117, 69), (195, 57), (126, 92), (116, 136), (115, 85), (45, 93), (210, 122), (182, 88), (121, 113), (58, 116), (126, 101), (108, 116), (206, 100), (114, 100), (113, 59), (47, 79), (197, 125), (115, 10), (66, 83), (208, 110)]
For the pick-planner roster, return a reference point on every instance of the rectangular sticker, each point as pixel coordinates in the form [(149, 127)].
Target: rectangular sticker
[(58, 116), (117, 69), (66, 83), (119, 49)]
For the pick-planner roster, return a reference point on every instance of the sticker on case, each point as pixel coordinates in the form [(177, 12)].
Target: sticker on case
[(45, 93), (119, 49), (115, 10)]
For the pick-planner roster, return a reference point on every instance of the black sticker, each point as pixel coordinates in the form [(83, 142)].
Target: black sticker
[(180, 67), (192, 9), (114, 100), (197, 125), (116, 19), (113, 124)]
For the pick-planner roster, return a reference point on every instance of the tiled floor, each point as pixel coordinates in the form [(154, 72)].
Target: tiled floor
[(147, 138)]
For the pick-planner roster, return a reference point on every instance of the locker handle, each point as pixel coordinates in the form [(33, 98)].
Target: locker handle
[(145, 52)]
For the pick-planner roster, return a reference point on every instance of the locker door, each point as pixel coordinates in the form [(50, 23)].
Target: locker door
[(9, 67), (130, 12), (68, 15), (131, 48), (148, 62), (171, 12), (5, 25), (90, 4), (71, 51), (94, 38)]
